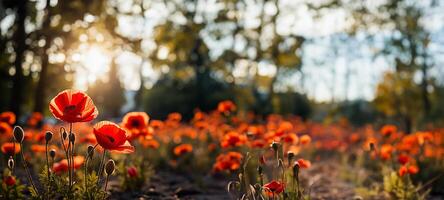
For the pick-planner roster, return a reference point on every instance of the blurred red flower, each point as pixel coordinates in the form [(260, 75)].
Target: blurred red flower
[(62, 166), (8, 148), (111, 137), (73, 106), (132, 172), (7, 117), (303, 164), (274, 187), (136, 123), (226, 107), (183, 149), (387, 130), (5, 130), (9, 180)]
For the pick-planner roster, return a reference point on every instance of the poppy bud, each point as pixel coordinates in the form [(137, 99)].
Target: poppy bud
[(262, 160), (290, 156), (48, 136), (52, 153), (275, 146), (90, 151), (372, 146), (19, 134), (259, 170), (109, 167), (132, 172), (11, 163), (64, 134), (72, 138)]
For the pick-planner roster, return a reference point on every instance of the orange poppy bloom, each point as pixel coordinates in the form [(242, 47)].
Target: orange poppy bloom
[(89, 138), (303, 164), (111, 137), (229, 161), (62, 166), (5, 130), (274, 187), (156, 124), (403, 170), (73, 106), (7, 117), (8, 148), (136, 123), (387, 130), (305, 139), (233, 139), (183, 149), (226, 107), (291, 138), (386, 151), (149, 143), (176, 117), (35, 119), (413, 169)]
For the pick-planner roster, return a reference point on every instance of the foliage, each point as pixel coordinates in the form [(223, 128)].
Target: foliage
[(402, 187)]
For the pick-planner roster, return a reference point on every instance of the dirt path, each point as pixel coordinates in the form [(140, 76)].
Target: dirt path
[(323, 178)]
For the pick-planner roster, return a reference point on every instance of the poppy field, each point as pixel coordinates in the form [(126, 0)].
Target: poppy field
[(250, 158)]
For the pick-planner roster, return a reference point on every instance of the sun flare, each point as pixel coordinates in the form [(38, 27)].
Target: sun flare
[(93, 64)]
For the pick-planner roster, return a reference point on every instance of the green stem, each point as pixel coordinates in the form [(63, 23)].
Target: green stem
[(25, 165), (102, 162), (86, 167), (47, 168)]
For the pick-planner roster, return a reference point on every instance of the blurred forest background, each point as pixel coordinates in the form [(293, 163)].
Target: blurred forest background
[(368, 61)]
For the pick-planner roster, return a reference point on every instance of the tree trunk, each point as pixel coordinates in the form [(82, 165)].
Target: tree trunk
[(425, 93), (40, 93), (20, 47)]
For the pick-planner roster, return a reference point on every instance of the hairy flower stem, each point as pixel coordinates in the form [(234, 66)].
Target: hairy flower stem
[(106, 182), (25, 165), (66, 149), (88, 155), (47, 168), (70, 158), (101, 168)]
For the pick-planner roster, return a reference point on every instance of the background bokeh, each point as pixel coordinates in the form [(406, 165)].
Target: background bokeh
[(362, 61)]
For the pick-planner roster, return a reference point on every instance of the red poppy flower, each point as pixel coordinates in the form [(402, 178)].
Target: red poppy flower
[(305, 139), (387, 130), (9, 180), (274, 187), (183, 149), (233, 139), (111, 137), (132, 172), (402, 171), (403, 159), (413, 169), (73, 106), (8, 148), (62, 166), (136, 123), (5, 130), (8, 117), (303, 164), (226, 107), (230, 161)]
